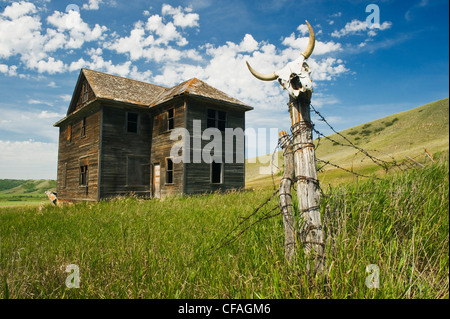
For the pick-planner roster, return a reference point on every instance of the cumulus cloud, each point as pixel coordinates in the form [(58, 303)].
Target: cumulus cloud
[(78, 31), (19, 9), (22, 34), (159, 39)]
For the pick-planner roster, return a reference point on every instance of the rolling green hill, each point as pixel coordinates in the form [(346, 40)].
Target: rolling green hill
[(24, 192), (20, 187), (393, 137)]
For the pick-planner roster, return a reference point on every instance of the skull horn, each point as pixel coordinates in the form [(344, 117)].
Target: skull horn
[(263, 77), (312, 40)]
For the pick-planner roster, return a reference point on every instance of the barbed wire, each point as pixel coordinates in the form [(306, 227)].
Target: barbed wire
[(227, 239), (230, 238), (380, 162)]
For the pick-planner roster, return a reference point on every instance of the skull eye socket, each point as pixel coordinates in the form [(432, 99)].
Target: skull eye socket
[(295, 82)]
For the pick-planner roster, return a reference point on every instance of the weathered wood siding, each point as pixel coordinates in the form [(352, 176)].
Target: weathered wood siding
[(162, 145), (71, 154), (80, 102), (198, 175), (119, 147)]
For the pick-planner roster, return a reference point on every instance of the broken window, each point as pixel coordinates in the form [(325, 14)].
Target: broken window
[(170, 119), (69, 133), (132, 122), (216, 119), (85, 94), (83, 127), (216, 173), (83, 175), (169, 171)]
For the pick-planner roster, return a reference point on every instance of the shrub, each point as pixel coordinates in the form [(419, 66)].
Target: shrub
[(391, 122)]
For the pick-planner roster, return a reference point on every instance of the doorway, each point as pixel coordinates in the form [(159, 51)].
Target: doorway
[(156, 181)]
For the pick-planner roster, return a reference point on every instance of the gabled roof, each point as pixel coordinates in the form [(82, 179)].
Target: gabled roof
[(116, 88), (196, 87)]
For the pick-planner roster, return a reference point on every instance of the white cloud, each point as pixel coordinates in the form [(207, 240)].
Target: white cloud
[(92, 5), (165, 32), (303, 28), (16, 164), (50, 66), (66, 97), (19, 9), (409, 13), (22, 35), (36, 122), (98, 63), (157, 39), (320, 99), (359, 27), (319, 49), (337, 14), (78, 30), (8, 70), (182, 17), (326, 69), (49, 115), (38, 102)]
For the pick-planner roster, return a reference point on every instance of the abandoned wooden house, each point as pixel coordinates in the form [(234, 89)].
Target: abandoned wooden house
[(115, 139)]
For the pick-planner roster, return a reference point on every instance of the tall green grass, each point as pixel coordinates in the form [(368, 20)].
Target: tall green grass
[(129, 248)]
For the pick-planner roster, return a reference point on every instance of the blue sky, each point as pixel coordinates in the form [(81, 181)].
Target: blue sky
[(360, 73)]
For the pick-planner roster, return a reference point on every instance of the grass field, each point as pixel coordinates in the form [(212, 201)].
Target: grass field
[(128, 248)]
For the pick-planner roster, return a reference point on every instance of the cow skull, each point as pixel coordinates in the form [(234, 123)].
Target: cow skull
[(295, 77)]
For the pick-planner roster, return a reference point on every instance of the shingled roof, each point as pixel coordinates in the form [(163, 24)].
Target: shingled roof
[(111, 87)]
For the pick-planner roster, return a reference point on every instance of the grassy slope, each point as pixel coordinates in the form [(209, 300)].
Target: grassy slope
[(160, 249), (396, 136), (24, 192)]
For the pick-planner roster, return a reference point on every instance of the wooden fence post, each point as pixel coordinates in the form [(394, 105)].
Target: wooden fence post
[(286, 183), (308, 192)]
